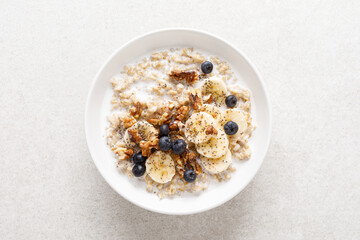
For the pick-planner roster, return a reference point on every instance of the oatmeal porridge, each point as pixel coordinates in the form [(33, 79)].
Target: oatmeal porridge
[(178, 120)]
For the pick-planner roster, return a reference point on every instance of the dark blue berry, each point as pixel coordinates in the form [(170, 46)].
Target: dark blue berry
[(138, 169), (190, 175), (164, 130), (178, 146), (165, 143), (206, 67), (231, 101), (138, 158), (231, 128)]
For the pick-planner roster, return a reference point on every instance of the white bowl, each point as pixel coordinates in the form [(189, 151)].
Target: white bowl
[(98, 107)]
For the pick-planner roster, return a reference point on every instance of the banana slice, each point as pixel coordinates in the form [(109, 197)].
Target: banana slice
[(234, 115), (196, 126), (215, 147), (144, 129), (210, 109), (216, 165), (160, 167), (216, 87)]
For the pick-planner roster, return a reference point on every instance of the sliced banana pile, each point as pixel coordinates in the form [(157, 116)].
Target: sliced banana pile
[(160, 167), (214, 149)]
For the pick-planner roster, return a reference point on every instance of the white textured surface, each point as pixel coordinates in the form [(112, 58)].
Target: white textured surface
[(307, 51)]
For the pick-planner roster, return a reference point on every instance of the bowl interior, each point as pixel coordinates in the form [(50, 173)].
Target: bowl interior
[(98, 107)]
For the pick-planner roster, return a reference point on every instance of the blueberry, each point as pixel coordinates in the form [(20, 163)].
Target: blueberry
[(178, 146), (138, 158), (138, 169), (206, 67), (231, 101), (164, 130), (165, 143), (190, 175), (231, 128)]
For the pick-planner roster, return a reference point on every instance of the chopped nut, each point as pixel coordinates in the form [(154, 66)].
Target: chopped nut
[(196, 101), (179, 161), (191, 156), (134, 136), (181, 132), (154, 121), (188, 157), (187, 160), (166, 118), (181, 128), (129, 122), (136, 111), (146, 146), (210, 130), (174, 126), (198, 168), (180, 170), (195, 98), (190, 77), (171, 106), (182, 112), (129, 152), (209, 98), (179, 164), (123, 153)]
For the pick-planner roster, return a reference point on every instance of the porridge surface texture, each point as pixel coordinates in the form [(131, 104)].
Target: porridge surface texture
[(169, 89), (308, 54)]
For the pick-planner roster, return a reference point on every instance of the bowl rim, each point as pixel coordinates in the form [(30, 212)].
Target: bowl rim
[(263, 85)]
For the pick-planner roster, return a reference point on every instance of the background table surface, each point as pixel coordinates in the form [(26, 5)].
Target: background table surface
[(308, 53)]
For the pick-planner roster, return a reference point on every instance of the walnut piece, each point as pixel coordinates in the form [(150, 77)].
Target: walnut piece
[(171, 106), (146, 146), (129, 122), (181, 128), (136, 110), (190, 161), (198, 168), (154, 121), (134, 136), (210, 130), (187, 160), (191, 157), (196, 101), (182, 112), (195, 98), (174, 126), (129, 152), (190, 77), (209, 98), (188, 157), (166, 118), (123, 153), (179, 164)]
